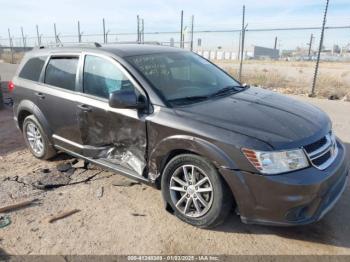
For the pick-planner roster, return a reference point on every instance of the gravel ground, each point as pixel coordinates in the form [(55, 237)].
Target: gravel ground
[(117, 217)]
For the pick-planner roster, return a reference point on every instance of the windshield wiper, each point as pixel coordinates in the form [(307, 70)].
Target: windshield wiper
[(188, 99), (227, 90)]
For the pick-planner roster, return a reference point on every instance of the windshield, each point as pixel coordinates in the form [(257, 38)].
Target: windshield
[(183, 77)]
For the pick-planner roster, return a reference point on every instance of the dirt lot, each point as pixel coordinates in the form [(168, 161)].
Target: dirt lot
[(118, 217), (130, 219)]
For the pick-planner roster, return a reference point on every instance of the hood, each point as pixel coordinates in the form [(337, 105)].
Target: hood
[(280, 121)]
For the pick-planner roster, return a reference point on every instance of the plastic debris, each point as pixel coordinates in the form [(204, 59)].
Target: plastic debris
[(4, 221)]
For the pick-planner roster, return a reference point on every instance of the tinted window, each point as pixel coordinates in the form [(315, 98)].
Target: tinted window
[(32, 69), (102, 77), (61, 72)]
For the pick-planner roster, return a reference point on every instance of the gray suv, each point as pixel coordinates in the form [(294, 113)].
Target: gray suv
[(172, 119)]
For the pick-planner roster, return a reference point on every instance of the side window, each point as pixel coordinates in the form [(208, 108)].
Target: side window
[(102, 77), (32, 69), (61, 72)]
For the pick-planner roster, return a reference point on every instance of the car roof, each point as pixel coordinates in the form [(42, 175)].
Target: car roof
[(121, 50)]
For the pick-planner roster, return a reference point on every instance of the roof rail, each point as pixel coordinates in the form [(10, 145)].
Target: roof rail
[(135, 42), (87, 44)]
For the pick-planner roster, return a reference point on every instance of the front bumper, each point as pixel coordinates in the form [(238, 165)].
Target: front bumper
[(295, 198)]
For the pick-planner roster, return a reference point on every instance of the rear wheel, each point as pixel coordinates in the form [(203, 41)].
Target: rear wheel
[(36, 139), (195, 191)]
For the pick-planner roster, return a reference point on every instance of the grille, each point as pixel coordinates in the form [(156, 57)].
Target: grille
[(314, 146), (322, 152)]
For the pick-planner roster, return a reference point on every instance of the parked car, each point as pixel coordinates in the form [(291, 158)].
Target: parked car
[(172, 119)]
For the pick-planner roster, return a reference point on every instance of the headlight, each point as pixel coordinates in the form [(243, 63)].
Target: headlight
[(271, 163)]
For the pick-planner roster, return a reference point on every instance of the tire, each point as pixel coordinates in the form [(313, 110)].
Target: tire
[(219, 200), (47, 150)]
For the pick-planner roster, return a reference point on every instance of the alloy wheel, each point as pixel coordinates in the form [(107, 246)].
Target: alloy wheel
[(191, 191), (35, 138)]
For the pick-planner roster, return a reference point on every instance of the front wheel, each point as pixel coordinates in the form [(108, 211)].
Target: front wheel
[(195, 191)]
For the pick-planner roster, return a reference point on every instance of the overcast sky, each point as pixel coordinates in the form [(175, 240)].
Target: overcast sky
[(163, 15)]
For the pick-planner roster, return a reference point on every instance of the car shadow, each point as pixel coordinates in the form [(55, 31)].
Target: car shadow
[(332, 230), (4, 256), (11, 137)]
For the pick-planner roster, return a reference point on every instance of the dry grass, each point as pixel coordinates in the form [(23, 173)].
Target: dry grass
[(7, 57), (327, 86)]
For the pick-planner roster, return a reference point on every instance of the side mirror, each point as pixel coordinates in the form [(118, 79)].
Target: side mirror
[(126, 99)]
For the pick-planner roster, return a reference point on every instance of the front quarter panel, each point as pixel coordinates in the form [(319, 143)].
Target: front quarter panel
[(169, 132)]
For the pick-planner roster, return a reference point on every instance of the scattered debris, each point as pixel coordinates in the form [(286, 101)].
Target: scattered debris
[(138, 215), (64, 174), (333, 97), (17, 205), (99, 192), (80, 163), (62, 215), (52, 179), (4, 221), (45, 170), (8, 101), (64, 167), (125, 183)]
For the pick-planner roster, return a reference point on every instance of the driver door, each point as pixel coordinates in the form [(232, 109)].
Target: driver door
[(116, 136)]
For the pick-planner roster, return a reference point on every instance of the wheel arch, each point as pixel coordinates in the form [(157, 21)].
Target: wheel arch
[(26, 108), (179, 144)]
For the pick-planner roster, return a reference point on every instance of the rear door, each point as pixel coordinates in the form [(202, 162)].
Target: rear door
[(116, 136), (57, 99)]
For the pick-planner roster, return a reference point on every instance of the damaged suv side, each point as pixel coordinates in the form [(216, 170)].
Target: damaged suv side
[(170, 118)]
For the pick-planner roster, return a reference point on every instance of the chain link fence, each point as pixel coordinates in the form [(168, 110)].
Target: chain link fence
[(273, 57)]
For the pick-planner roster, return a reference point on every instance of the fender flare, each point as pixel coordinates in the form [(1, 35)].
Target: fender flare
[(189, 143)]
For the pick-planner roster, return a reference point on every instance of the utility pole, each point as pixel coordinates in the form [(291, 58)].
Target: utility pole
[(239, 45), (181, 29), (192, 32), (143, 31), (38, 35), (11, 46), (310, 46), (23, 39), (319, 51), (138, 29), (276, 54), (104, 31), (275, 46), (242, 44), (55, 31), (79, 33), (107, 36)]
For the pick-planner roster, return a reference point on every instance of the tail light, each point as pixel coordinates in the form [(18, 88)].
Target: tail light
[(11, 86)]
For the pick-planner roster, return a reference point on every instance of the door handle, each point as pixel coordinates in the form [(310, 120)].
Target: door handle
[(85, 108), (40, 95)]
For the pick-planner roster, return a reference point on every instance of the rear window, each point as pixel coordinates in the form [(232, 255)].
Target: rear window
[(61, 72), (32, 69)]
